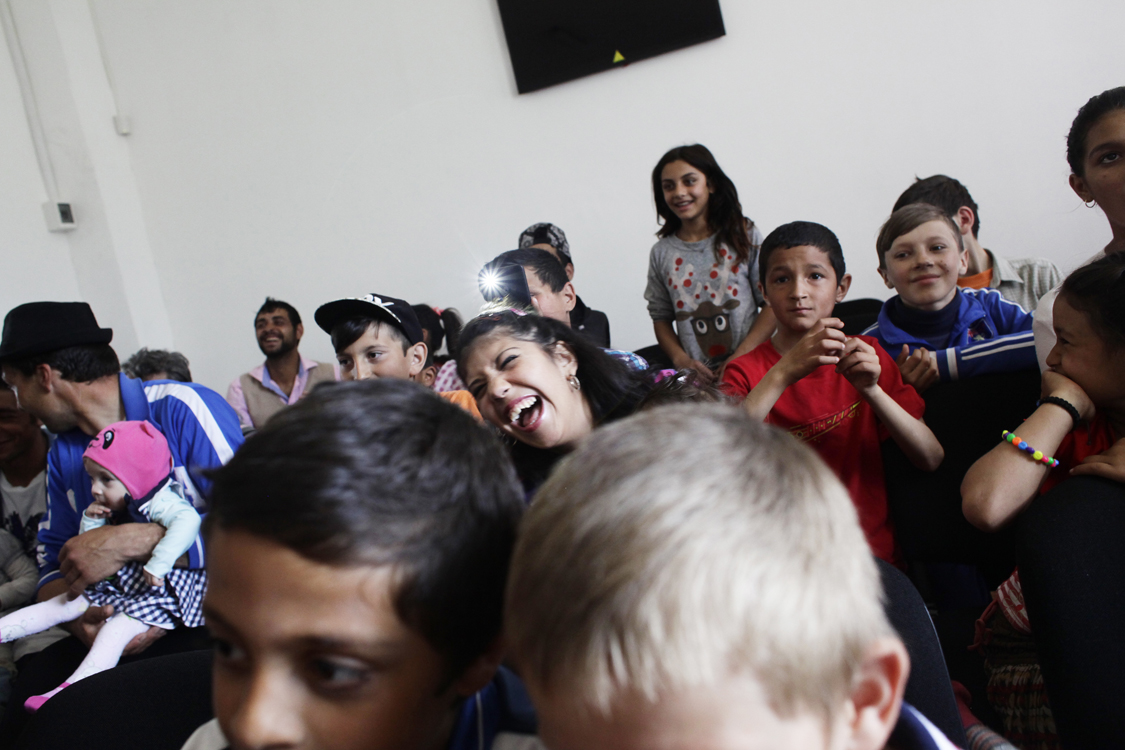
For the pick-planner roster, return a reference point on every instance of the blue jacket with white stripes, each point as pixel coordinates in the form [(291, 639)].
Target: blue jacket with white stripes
[(202, 431), (991, 335)]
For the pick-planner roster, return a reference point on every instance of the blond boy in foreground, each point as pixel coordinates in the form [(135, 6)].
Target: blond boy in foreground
[(710, 590)]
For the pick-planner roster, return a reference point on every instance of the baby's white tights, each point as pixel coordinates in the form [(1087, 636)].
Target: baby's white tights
[(39, 617), (108, 645), (105, 652)]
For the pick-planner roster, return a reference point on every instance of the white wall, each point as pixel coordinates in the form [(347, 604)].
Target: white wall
[(315, 150), (35, 265)]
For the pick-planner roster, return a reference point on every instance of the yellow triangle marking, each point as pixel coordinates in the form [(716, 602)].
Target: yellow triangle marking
[(618, 57)]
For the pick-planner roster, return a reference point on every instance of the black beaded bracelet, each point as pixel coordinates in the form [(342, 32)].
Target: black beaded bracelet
[(1073, 412)]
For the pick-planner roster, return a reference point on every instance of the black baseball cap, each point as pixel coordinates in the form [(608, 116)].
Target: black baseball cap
[(547, 234), (395, 311), (40, 327)]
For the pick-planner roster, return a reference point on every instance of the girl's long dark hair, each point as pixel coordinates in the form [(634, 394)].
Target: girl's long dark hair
[(724, 212), (611, 387)]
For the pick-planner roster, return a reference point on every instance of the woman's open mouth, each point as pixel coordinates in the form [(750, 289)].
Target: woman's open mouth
[(526, 413)]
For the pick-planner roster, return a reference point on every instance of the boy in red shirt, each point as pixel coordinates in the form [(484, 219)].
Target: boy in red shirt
[(841, 395)]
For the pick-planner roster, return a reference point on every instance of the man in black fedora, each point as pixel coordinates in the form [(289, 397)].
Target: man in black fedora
[(58, 360)]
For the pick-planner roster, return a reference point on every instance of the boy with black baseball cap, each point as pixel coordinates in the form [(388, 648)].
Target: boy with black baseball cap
[(378, 336)]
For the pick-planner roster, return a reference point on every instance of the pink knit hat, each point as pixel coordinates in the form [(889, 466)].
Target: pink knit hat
[(134, 452)]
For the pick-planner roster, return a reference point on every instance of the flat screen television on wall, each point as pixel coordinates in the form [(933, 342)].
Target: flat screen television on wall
[(552, 41)]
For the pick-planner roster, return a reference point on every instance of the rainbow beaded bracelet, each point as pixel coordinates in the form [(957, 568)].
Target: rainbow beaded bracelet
[(1016, 441)]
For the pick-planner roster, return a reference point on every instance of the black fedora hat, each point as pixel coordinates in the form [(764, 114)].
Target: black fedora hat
[(39, 327)]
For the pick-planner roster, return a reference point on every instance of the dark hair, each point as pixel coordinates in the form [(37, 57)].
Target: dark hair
[(272, 304), (905, 220), (346, 331), (384, 472), (84, 363), (724, 212), (546, 266), (611, 387), (1092, 111), (795, 234), (547, 234), (944, 192), (1098, 290), (146, 362), (685, 386), (446, 324)]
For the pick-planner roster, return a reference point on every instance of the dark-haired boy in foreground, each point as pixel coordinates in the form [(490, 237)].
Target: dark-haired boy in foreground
[(359, 545)]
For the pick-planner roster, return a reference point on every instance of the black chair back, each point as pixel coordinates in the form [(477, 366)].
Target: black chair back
[(857, 314), (967, 417), (154, 703)]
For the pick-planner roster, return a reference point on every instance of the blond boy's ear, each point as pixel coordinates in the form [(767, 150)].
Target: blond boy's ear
[(886, 278), (876, 696)]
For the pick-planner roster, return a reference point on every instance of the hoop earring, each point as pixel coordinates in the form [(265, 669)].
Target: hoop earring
[(1091, 203), (574, 382)]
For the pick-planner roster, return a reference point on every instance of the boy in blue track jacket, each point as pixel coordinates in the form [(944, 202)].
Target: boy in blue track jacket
[(937, 330)]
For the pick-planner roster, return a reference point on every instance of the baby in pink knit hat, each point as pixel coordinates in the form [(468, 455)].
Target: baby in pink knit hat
[(131, 468), (133, 472)]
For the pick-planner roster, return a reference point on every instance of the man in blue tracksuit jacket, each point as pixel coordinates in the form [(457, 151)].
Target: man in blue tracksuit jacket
[(59, 362), (987, 333), (197, 424)]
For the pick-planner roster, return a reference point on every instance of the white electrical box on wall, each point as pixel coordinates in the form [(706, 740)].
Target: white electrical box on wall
[(60, 217)]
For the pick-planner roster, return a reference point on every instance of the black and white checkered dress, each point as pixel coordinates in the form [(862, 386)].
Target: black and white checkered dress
[(178, 604)]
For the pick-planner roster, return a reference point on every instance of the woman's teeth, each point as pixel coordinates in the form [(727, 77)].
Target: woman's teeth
[(519, 407)]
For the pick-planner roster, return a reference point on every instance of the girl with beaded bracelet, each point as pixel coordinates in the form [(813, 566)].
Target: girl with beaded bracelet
[(1081, 415), (1083, 409)]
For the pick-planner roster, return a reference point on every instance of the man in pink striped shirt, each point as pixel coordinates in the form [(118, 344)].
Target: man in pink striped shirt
[(285, 376)]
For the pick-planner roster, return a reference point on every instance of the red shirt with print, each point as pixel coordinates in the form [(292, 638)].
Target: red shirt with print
[(1088, 439), (824, 410)]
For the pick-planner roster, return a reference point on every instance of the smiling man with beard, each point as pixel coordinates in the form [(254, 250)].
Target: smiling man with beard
[(285, 376)]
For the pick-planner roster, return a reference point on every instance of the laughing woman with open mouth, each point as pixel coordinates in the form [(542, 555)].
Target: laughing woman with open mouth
[(542, 385)]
